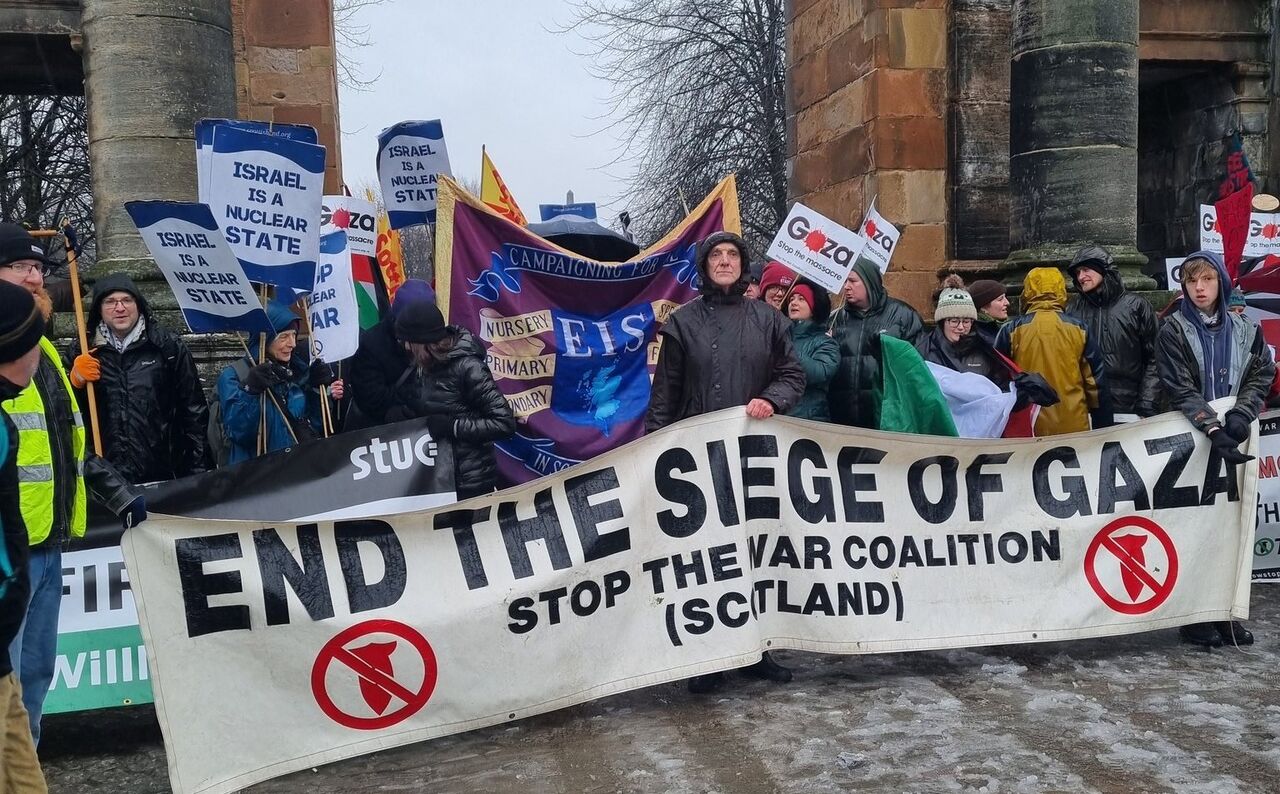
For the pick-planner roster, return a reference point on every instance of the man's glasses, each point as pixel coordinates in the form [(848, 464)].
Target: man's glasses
[(25, 269), (111, 303)]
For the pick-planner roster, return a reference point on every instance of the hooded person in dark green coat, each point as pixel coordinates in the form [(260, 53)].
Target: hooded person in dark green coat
[(868, 311), (809, 308)]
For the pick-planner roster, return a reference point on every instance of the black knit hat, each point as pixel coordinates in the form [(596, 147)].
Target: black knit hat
[(21, 322), (420, 322), (16, 244)]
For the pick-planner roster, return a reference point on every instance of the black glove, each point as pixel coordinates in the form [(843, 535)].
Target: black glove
[(264, 376), (134, 513), (440, 426), (1036, 389), (1145, 410), (1228, 448), (321, 374), (1237, 426)]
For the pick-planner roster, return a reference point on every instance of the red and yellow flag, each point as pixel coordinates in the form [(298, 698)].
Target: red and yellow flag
[(390, 255), (494, 193)]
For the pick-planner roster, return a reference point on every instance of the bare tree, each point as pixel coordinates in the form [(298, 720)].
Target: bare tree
[(44, 164), (699, 92), (350, 35)]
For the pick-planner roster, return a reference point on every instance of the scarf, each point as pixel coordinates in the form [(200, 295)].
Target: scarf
[(1214, 332), (116, 342)]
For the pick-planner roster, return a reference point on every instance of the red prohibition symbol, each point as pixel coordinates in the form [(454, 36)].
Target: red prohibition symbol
[(1143, 585), (372, 666)]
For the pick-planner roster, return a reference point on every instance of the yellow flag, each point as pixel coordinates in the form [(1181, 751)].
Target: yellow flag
[(390, 255), (494, 193)]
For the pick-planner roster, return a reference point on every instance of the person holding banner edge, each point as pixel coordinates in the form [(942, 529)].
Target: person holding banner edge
[(291, 389), (1205, 352), (55, 470), (720, 351), (453, 388), (21, 327)]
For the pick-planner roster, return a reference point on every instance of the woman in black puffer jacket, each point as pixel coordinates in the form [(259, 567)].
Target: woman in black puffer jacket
[(457, 395)]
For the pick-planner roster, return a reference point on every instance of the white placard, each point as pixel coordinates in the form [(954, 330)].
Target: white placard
[(816, 247)]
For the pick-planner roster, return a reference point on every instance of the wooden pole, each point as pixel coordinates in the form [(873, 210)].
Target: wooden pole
[(262, 356), (83, 334), (326, 418), (263, 421)]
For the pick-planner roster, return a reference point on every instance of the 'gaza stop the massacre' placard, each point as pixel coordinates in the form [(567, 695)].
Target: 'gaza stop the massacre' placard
[(688, 551)]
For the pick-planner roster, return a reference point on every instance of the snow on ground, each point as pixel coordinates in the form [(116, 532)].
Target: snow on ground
[(1132, 714)]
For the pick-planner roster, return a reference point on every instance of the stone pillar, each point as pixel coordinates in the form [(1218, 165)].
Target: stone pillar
[(152, 69), (1073, 132)]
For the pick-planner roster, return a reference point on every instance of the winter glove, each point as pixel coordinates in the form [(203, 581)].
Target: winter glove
[(85, 369), (134, 513), (321, 374), (1036, 389), (1237, 426), (1100, 418), (264, 376), (440, 426), (1145, 410), (1228, 448)]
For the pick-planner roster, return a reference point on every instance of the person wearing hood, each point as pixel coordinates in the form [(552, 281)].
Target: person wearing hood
[(819, 355), (152, 414), (722, 351), (1045, 341), (282, 384), (991, 299), (1123, 325), (56, 473), (868, 311), (1205, 352), (453, 388), (381, 368)]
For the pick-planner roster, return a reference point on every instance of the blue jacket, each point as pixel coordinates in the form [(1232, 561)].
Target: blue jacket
[(242, 411)]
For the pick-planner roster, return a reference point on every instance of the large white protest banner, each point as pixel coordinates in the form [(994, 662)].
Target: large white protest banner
[(816, 247), (357, 217), (1263, 237), (211, 287), (266, 193), (204, 143), (411, 156), (335, 315), (881, 236), (1266, 546), (277, 647)]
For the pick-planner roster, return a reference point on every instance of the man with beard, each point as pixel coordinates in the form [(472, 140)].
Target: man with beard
[(53, 470)]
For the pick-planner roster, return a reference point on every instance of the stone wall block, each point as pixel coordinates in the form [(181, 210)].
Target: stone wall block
[(273, 59), (830, 117), (1046, 23), (287, 23), (917, 38), (906, 92), (1049, 109), (910, 143), (1064, 195), (809, 80)]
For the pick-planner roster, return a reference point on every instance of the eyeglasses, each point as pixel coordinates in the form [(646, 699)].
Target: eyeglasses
[(27, 267), (111, 303), (958, 322)]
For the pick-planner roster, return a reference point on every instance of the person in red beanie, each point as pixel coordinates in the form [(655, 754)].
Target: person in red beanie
[(775, 282)]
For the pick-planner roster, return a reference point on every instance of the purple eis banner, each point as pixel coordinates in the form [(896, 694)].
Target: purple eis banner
[(571, 342)]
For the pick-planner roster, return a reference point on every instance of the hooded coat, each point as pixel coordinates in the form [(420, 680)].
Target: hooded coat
[(242, 411), (1059, 348), (151, 406), (1233, 353), (819, 356), (1124, 326), (15, 588), (855, 388), (720, 350), (462, 388)]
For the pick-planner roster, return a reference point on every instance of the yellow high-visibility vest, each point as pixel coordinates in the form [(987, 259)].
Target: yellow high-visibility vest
[(35, 456)]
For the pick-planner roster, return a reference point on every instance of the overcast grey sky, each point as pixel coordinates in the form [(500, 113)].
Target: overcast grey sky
[(494, 74)]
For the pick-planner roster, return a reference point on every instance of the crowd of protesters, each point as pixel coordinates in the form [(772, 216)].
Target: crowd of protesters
[(773, 344)]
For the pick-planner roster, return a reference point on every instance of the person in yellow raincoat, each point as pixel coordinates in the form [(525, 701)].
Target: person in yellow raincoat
[(1058, 347)]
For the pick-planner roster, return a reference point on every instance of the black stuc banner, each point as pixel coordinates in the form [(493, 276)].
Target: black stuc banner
[(387, 469)]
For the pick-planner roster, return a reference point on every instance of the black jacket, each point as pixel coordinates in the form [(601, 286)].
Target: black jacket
[(970, 354), (719, 351), (461, 388), (854, 389), (379, 363), (13, 601), (152, 411), (1124, 326), (1180, 370)]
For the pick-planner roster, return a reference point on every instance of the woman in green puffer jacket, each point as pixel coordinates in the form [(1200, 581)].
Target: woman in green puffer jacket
[(819, 354)]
